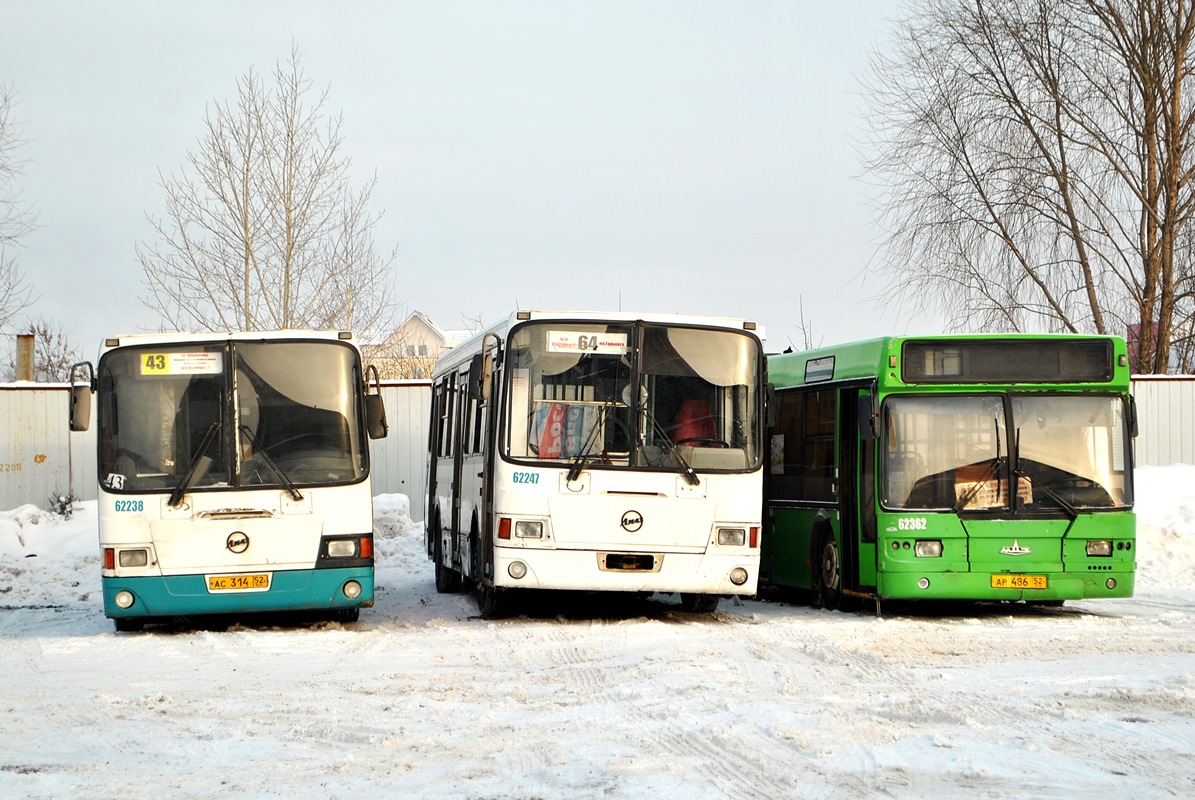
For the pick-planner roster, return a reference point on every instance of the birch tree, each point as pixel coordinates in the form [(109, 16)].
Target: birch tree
[(17, 217), (1034, 162), (263, 227)]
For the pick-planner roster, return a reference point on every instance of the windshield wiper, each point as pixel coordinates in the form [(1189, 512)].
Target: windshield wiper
[(990, 472), (1065, 505), (581, 459), (176, 496), (269, 459), (674, 451)]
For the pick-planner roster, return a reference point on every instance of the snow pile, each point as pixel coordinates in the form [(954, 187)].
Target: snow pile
[(397, 539), (46, 558), (1165, 505)]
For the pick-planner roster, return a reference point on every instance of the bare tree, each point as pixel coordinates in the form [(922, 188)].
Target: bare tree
[(1034, 160), (263, 228), (17, 217), (53, 354)]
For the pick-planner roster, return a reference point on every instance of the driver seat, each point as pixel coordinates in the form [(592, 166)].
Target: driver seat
[(693, 421)]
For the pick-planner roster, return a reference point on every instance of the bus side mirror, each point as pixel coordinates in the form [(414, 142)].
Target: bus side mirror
[(80, 413), (481, 370), (769, 400), (375, 409), (867, 419), (1133, 416)]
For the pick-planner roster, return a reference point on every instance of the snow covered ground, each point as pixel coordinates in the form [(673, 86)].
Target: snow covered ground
[(422, 698)]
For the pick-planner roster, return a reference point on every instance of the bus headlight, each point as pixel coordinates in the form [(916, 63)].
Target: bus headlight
[(1101, 547), (529, 530), (352, 590), (732, 537), (342, 548), (517, 569), (134, 558), (928, 548), (738, 576), (124, 599)]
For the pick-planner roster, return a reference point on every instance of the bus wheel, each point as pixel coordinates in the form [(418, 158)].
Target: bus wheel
[(489, 601), (348, 614), (699, 603), (448, 580), (128, 624), (827, 573)]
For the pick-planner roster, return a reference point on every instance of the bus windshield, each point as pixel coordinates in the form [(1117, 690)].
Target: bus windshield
[(245, 415), (633, 395), (964, 452)]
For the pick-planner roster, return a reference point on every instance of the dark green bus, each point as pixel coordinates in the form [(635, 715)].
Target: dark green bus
[(971, 467)]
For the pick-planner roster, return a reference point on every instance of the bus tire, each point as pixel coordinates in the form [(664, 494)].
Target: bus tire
[(128, 624), (489, 601), (347, 614), (827, 571), (699, 603), (448, 580)]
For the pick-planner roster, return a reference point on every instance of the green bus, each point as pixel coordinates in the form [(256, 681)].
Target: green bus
[(970, 467)]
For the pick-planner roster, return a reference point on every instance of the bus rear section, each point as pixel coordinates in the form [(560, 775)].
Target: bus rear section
[(968, 468), (599, 452), (234, 475)]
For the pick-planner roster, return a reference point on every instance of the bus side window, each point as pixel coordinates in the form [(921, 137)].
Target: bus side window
[(803, 455)]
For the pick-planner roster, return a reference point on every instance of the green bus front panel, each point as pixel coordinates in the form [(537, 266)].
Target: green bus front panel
[(1006, 559), (187, 595)]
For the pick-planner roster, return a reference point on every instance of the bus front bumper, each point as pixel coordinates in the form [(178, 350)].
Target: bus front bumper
[(589, 570), (979, 585), (188, 595)]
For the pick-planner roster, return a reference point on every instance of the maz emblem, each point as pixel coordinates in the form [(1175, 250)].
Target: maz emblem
[(1015, 550)]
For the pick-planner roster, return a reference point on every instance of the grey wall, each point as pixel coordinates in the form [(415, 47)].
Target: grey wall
[(1165, 419), (40, 457)]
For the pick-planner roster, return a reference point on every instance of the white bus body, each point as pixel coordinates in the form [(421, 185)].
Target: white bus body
[(550, 471), (233, 473)]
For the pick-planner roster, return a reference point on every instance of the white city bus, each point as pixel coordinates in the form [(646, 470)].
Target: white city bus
[(587, 451), (233, 472)]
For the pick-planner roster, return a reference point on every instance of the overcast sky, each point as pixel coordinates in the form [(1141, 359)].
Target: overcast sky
[(692, 157)]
